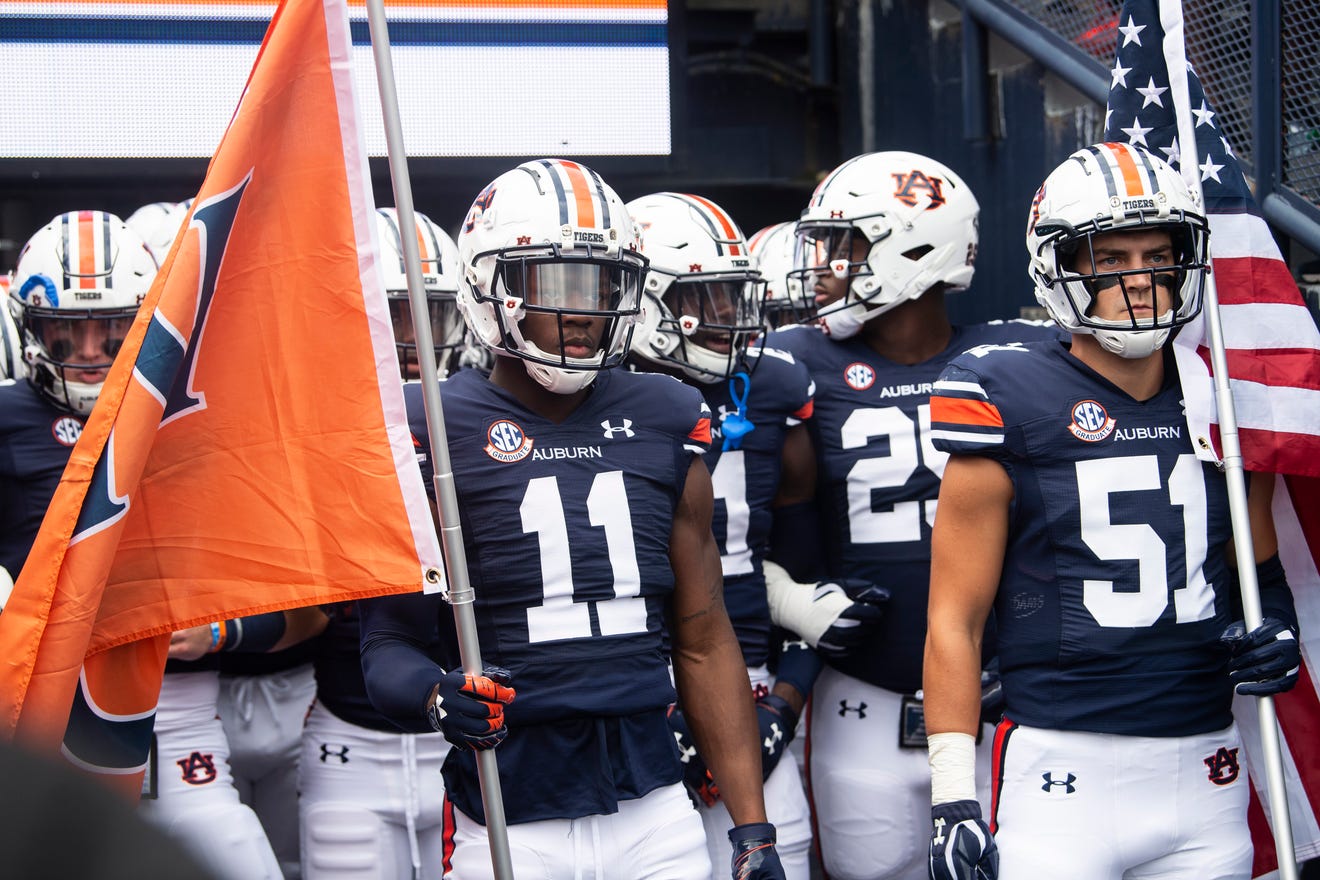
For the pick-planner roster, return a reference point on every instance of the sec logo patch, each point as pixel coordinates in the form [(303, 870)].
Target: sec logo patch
[(1090, 422), (506, 441), (859, 376), (66, 430)]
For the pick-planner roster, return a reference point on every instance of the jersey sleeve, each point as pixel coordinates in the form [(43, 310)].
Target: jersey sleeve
[(963, 418), (698, 436)]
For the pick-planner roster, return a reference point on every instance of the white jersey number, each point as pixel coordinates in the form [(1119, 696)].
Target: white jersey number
[(909, 448), (559, 616), (729, 481), (1193, 599)]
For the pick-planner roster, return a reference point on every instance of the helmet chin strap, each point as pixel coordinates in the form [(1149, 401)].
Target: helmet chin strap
[(1132, 344), (558, 380)]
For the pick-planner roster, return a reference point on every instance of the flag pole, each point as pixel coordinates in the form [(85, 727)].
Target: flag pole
[(460, 594), (1171, 20)]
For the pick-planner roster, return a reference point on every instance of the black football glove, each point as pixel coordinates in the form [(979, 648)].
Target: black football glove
[(857, 621), (469, 709), (1264, 661), (777, 722), (754, 856), (700, 784), (961, 845)]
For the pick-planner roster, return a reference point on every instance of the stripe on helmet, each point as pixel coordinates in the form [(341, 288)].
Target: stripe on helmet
[(392, 223), (583, 191), (85, 237), (721, 225), (819, 195), (1104, 161)]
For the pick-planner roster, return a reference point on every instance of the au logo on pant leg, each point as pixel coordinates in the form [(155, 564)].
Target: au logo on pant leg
[(1223, 766)]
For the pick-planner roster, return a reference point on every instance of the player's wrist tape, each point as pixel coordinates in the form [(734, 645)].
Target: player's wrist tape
[(248, 635), (952, 767), (794, 606)]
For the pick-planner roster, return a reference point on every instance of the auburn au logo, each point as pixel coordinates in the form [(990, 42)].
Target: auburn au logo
[(198, 769), (1223, 766), (910, 186)]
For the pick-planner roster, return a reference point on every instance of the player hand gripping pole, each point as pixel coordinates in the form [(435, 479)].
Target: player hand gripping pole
[(460, 591)]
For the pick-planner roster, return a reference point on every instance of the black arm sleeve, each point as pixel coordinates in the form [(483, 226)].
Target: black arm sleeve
[(398, 669)]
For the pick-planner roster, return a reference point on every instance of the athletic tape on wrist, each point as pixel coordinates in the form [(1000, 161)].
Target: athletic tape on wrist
[(952, 767)]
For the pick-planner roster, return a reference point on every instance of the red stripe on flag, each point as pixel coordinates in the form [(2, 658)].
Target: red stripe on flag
[(1305, 495), (1245, 280), (1279, 367), (1277, 452), (1265, 859)]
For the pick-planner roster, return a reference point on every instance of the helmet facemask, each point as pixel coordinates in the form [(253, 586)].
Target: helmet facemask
[(447, 331), (592, 299), (706, 322), (61, 344)]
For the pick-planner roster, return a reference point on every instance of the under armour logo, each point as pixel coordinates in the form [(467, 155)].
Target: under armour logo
[(794, 643), (772, 741), (198, 769), (844, 709), (938, 839), (685, 752), (1223, 766), (1050, 782), (327, 753), (625, 429)]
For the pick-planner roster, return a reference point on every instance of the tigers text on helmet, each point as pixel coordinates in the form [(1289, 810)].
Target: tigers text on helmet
[(1113, 188), (701, 304), (776, 250), (439, 258), (74, 295), (892, 225), (550, 238)]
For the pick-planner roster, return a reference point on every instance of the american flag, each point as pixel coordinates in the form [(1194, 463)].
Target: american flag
[(1273, 353)]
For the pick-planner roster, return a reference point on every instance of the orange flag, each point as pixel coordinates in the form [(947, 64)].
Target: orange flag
[(250, 450)]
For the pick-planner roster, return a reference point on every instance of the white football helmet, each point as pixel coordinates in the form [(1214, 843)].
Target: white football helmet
[(158, 224), (918, 218), (74, 295), (551, 238), (439, 259), (776, 251), (701, 305), (1110, 188)]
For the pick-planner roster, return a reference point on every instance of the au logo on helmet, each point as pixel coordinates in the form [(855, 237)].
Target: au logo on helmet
[(909, 185)]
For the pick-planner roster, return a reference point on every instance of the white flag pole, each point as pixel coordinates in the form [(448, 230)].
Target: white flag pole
[(1175, 57), (460, 593)]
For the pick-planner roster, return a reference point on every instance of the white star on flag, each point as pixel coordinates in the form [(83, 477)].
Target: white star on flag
[(1228, 148), (1108, 113), (1171, 153), (1204, 116), (1119, 73), (1152, 94), (1131, 32), (1209, 169), (1136, 134)]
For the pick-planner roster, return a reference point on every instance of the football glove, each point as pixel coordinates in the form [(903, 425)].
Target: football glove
[(1264, 661), (700, 784), (469, 709), (754, 856), (832, 616), (961, 845), (777, 722)]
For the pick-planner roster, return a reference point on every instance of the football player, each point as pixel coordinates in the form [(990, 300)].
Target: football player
[(884, 238), (587, 516), (700, 312), (775, 249), (439, 258), (1074, 506)]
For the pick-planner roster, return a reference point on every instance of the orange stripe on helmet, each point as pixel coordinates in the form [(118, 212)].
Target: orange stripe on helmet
[(87, 249), (726, 223), (1131, 175), (960, 411), (577, 181), (423, 255)]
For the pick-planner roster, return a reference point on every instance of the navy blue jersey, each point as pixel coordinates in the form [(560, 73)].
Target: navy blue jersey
[(746, 481), (35, 442), (567, 530), (1115, 585), (879, 476)]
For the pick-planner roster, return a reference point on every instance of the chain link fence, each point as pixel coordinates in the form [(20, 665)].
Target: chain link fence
[(1219, 47)]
